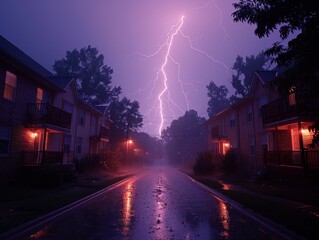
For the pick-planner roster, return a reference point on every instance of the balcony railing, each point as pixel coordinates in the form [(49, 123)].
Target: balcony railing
[(217, 133), (36, 158), (101, 132), (44, 113), (280, 109), (293, 158), (104, 132)]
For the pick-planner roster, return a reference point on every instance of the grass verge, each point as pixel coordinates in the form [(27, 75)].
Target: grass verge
[(303, 223), (43, 201)]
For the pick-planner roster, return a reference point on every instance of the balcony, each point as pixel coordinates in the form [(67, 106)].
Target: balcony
[(280, 110), (293, 159), (101, 132), (44, 113), (218, 133), (39, 158)]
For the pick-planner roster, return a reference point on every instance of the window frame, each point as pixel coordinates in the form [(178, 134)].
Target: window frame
[(9, 85), (249, 113), (67, 143), (81, 117)]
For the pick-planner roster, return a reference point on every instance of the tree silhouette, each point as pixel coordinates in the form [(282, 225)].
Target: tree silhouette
[(299, 17), (125, 116), (299, 25), (245, 69), (217, 98), (184, 138), (92, 76)]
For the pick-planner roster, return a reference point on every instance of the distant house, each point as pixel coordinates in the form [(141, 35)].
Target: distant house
[(262, 130), (42, 120)]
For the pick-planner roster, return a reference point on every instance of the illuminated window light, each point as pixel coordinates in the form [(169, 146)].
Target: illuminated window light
[(304, 131), (34, 134)]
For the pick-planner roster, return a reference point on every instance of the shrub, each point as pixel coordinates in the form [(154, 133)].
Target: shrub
[(112, 160), (47, 176), (204, 163), (88, 162), (228, 162)]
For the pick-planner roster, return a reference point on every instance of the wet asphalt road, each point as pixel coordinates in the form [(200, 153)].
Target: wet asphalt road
[(162, 203)]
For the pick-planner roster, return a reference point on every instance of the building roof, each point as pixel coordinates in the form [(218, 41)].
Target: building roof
[(266, 76), (11, 50), (101, 108), (59, 83)]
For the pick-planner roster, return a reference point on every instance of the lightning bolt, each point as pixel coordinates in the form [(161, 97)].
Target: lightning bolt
[(171, 35), (166, 48)]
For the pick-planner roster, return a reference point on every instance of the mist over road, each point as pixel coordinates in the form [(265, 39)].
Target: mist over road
[(160, 203)]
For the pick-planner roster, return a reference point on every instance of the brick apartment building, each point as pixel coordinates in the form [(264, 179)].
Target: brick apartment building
[(265, 129), (42, 118)]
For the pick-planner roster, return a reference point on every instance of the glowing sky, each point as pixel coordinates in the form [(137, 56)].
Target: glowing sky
[(131, 34)]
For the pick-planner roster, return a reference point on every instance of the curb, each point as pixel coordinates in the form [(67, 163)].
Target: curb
[(24, 228), (271, 226)]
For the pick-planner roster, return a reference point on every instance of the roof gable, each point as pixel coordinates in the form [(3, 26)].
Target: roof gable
[(264, 77), (11, 50)]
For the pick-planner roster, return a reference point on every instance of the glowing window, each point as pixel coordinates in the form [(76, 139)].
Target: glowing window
[(10, 86), (39, 95), (292, 96)]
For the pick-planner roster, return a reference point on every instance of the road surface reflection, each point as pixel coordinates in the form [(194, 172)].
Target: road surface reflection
[(160, 204)]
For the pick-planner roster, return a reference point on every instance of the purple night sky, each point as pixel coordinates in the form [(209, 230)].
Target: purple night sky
[(127, 33)]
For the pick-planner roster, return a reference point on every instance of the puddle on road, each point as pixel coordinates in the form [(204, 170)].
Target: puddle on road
[(127, 210)]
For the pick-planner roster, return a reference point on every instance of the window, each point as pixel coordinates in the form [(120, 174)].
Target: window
[(251, 140), (78, 145), (10, 86), (249, 113), (261, 102), (39, 95), (67, 143), (215, 149), (93, 121), (223, 128), (67, 106), (81, 119), (292, 96), (5, 137), (232, 119)]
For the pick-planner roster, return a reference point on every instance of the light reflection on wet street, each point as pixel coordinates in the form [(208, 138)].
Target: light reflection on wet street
[(160, 204)]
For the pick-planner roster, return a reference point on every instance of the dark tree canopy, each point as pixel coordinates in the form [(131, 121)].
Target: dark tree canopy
[(125, 115), (297, 20), (151, 145), (244, 70), (93, 77), (184, 138), (217, 98)]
